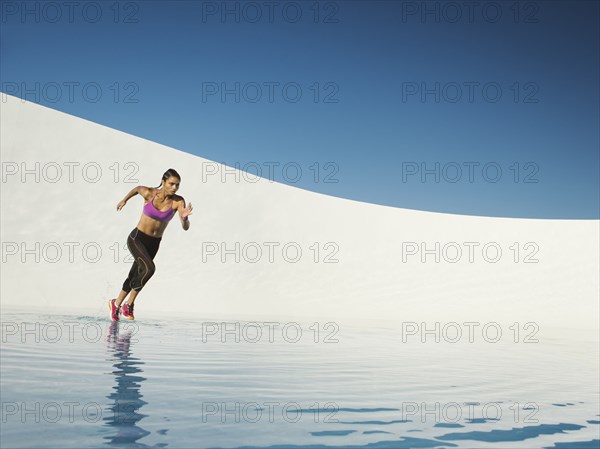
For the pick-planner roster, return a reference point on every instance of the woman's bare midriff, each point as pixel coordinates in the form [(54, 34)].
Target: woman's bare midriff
[(152, 227)]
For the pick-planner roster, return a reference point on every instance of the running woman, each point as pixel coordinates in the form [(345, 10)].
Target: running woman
[(160, 206)]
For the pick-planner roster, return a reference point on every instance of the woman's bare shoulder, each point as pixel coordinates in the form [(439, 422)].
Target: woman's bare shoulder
[(178, 199), (146, 192)]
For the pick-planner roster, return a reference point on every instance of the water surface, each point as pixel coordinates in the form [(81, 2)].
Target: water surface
[(84, 382)]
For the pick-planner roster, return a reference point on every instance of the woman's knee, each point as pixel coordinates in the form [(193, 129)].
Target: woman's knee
[(151, 269)]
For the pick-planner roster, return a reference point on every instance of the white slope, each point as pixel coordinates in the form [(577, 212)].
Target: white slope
[(370, 280)]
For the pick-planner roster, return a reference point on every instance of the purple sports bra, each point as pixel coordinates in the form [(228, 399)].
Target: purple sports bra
[(153, 212)]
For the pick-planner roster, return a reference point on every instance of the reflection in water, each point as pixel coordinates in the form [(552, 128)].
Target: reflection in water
[(123, 413)]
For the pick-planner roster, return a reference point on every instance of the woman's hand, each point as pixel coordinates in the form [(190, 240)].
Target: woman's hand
[(121, 205), (187, 211)]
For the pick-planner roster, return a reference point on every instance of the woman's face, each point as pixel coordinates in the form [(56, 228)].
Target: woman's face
[(171, 185)]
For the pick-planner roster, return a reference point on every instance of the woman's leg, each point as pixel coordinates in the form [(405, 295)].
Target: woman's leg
[(126, 289), (143, 248), (121, 297)]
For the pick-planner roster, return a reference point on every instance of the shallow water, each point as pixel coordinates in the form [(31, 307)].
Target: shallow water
[(84, 382)]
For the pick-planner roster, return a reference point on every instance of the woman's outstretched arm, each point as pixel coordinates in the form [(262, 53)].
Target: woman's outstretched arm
[(142, 190)]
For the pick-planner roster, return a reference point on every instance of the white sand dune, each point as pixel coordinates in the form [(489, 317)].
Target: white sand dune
[(369, 281)]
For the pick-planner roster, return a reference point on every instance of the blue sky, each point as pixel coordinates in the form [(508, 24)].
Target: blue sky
[(371, 95)]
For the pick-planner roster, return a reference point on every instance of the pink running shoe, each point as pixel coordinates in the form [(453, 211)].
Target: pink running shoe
[(114, 310), (127, 311)]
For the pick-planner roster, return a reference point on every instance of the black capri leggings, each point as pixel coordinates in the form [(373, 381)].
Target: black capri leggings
[(143, 247)]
